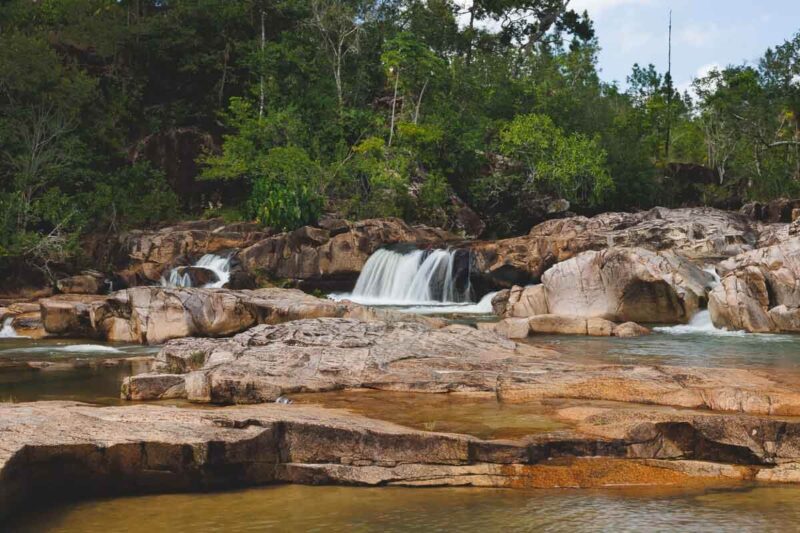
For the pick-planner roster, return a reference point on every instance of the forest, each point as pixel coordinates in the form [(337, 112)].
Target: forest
[(118, 114)]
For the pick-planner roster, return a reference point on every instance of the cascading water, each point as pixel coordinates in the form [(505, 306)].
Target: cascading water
[(7, 330), (701, 322), (219, 265), (421, 280)]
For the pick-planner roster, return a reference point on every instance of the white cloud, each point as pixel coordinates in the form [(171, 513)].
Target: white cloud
[(631, 37), (699, 36)]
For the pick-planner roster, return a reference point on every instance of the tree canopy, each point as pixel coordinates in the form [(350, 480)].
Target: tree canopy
[(358, 108)]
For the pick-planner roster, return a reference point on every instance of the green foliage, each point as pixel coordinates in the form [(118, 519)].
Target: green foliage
[(286, 192), (568, 166), (506, 116)]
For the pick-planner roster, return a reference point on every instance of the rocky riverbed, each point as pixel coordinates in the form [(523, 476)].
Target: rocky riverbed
[(234, 358)]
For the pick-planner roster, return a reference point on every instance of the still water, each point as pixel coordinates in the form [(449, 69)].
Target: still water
[(78, 370), (746, 350), (325, 509)]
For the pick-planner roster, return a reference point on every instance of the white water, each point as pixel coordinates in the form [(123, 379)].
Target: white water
[(7, 330), (484, 307), (699, 324), (220, 266), (87, 348), (419, 281), (414, 278), (701, 321)]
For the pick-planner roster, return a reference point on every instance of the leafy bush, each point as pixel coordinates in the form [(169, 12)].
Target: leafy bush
[(286, 192)]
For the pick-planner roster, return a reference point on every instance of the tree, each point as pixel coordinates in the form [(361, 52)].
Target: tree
[(340, 31)]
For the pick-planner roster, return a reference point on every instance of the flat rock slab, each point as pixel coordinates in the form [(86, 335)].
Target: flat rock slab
[(64, 449), (326, 354)]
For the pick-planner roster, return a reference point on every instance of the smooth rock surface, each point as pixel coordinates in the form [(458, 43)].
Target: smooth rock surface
[(760, 291), (627, 284), (326, 354)]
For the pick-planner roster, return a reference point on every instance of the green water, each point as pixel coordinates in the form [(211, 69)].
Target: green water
[(767, 351), (79, 370), (328, 509)]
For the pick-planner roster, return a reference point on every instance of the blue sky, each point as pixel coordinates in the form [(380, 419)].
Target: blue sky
[(705, 33)]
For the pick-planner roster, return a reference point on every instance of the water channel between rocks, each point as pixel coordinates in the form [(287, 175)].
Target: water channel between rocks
[(83, 370), (304, 508)]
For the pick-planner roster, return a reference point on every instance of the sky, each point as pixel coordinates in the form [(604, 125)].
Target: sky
[(705, 33)]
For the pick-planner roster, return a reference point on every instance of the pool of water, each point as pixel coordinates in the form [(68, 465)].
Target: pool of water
[(747, 350), (79, 370), (481, 416), (302, 508)]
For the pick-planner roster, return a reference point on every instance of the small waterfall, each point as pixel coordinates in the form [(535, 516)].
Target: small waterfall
[(7, 331), (220, 266), (701, 322), (419, 277)]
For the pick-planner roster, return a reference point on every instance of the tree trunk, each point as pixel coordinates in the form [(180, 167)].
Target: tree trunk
[(263, 44), (394, 105), (419, 101)]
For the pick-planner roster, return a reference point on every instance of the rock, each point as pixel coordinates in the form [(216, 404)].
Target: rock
[(759, 290), (526, 302), (510, 328), (700, 234), (144, 449), (69, 314), (152, 315), (630, 329), (626, 284), (778, 210), (567, 325), (198, 276), (466, 219), (500, 302), (316, 355), (175, 151), (316, 258), (599, 327), (146, 255), (82, 284)]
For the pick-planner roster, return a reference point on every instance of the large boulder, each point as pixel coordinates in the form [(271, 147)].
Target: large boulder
[(627, 284), (86, 283), (760, 291), (331, 257), (146, 255), (699, 234), (152, 315)]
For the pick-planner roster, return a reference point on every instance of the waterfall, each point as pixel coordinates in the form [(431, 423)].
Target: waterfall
[(220, 266), (418, 277), (701, 322), (7, 330)]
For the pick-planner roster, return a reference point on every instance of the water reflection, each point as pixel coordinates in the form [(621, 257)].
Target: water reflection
[(300, 508)]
